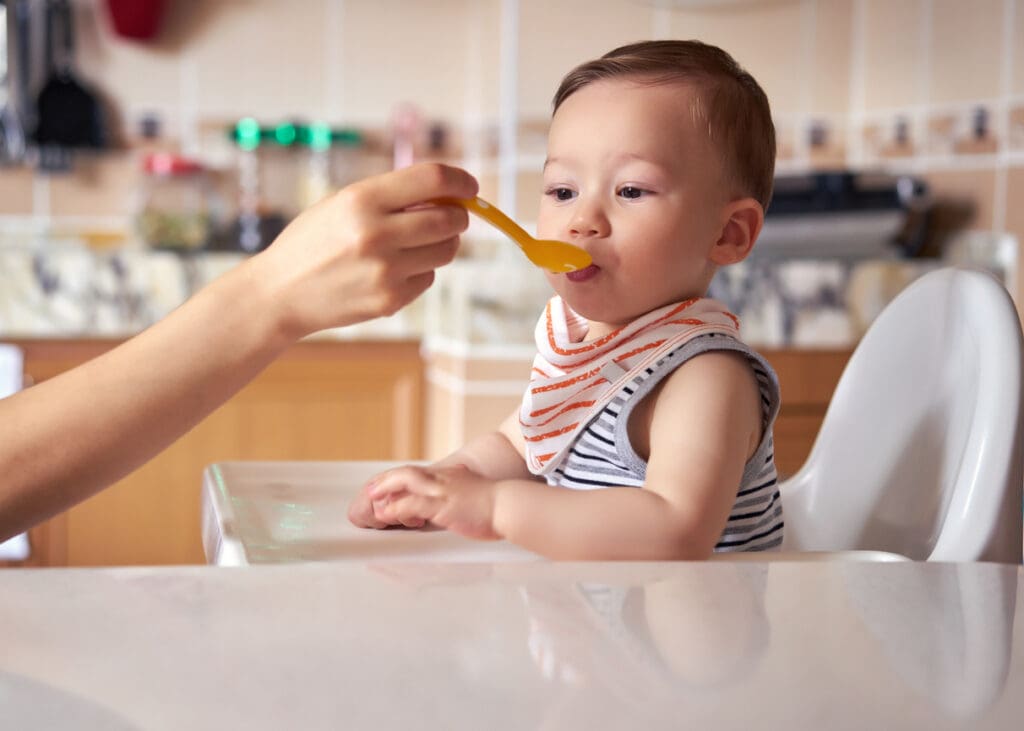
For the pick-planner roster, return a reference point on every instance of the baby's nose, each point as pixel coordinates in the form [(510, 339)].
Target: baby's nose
[(584, 228), (589, 223)]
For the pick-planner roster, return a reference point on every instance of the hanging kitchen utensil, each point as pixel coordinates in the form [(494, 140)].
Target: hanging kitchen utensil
[(70, 115), (12, 136), (25, 103)]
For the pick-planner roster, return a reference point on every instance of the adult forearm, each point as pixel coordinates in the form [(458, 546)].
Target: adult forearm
[(610, 524), (364, 252), (66, 438)]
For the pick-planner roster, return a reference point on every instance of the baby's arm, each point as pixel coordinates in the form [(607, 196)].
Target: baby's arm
[(701, 428), (496, 455)]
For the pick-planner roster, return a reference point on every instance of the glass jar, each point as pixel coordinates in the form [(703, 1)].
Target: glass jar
[(176, 210)]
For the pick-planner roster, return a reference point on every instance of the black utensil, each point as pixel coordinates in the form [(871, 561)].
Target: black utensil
[(69, 113), (23, 40)]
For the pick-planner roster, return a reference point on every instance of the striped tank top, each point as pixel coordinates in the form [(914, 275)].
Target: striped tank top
[(602, 455)]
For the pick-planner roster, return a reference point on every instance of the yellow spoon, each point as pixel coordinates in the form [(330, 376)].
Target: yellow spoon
[(555, 256)]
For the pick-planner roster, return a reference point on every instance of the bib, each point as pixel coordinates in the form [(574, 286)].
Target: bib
[(573, 380)]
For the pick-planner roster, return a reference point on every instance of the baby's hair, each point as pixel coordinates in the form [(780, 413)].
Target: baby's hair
[(730, 102)]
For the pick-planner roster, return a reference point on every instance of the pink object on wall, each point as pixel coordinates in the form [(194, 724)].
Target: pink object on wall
[(136, 19)]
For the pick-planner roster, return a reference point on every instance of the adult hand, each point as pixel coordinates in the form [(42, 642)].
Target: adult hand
[(365, 251)]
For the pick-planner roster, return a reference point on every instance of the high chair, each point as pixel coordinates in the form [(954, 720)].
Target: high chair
[(11, 367), (920, 450)]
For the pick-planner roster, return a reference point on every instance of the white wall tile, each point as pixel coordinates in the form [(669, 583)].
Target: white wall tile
[(554, 37), (764, 38), (966, 50)]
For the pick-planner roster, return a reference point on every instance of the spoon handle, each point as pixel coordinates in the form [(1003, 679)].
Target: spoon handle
[(493, 216)]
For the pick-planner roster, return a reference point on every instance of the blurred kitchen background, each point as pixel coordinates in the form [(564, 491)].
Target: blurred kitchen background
[(149, 145)]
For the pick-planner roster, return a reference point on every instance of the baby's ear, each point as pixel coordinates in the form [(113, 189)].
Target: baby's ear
[(743, 222)]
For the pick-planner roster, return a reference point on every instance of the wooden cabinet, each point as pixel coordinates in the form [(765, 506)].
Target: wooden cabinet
[(319, 401), (807, 378), (467, 396)]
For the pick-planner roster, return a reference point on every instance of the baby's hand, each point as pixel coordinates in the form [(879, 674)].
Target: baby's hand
[(365, 512), (455, 498)]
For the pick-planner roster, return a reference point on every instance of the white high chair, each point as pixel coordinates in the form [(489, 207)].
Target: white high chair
[(11, 374), (920, 450)]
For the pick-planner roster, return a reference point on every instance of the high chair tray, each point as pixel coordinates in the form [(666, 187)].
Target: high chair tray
[(281, 512), (287, 512)]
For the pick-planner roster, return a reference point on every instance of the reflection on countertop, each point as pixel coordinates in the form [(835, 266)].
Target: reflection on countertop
[(512, 645), (67, 289)]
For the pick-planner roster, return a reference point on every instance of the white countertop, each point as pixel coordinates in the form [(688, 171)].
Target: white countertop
[(527, 645)]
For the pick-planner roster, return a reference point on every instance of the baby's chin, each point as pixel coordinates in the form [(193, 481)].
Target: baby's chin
[(600, 313), (605, 311)]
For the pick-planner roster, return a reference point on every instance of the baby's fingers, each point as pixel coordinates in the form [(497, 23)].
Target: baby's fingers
[(369, 484), (362, 514), (414, 480), (412, 511), (379, 506)]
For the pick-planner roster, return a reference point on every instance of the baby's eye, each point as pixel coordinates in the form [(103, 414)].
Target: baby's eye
[(561, 194), (631, 192)]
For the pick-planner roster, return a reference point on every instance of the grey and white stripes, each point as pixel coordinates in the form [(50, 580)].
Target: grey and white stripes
[(602, 456)]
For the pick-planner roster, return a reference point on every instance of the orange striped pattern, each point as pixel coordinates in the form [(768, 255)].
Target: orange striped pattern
[(573, 379)]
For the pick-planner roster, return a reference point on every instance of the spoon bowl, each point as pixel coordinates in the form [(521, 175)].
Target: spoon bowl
[(555, 256)]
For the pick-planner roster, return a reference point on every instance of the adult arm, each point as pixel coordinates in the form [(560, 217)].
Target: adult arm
[(361, 253)]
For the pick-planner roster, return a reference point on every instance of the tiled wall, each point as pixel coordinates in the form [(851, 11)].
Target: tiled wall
[(962, 59), (860, 68)]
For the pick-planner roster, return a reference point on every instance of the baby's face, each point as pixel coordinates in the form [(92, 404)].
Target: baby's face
[(631, 179)]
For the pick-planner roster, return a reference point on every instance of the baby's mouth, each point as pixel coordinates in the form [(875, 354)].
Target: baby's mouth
[(582, 275)]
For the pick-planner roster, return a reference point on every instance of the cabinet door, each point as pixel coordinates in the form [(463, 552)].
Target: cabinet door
[(808, 379), (319, 401)]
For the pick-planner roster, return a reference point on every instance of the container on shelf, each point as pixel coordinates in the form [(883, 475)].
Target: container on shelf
[(281, 170), (177, 209)]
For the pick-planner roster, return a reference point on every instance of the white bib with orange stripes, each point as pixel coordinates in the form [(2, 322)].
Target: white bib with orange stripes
[(573, 380)]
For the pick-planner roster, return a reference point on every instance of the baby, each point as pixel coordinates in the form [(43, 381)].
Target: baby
[(646, 429)]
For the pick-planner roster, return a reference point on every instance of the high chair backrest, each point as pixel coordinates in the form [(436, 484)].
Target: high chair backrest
[(920, 449), (11, 376), (11, 366)]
